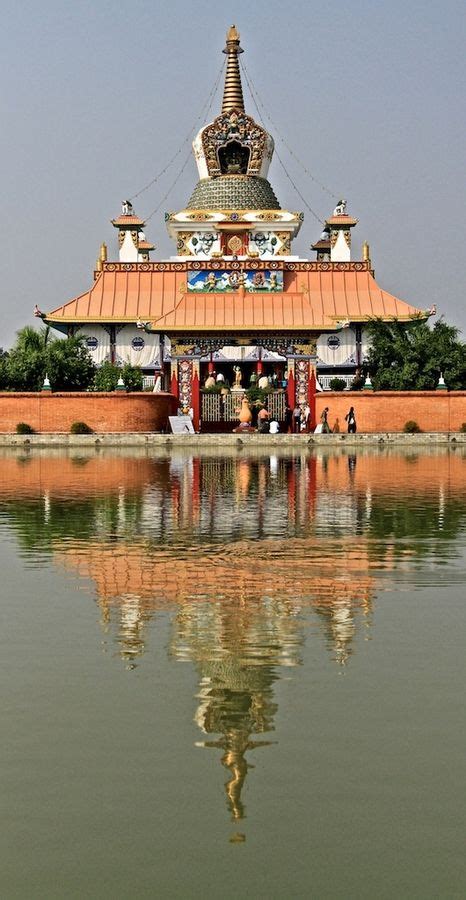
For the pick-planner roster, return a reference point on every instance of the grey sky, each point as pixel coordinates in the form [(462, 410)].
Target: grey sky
[(97, 97)]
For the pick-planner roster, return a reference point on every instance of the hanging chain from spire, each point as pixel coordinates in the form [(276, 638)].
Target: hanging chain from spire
[(282, 139), (204, 112), (233, 91), (177, 177), (306, 204)]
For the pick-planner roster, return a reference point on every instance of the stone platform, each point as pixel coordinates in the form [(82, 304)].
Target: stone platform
[(251, 441)]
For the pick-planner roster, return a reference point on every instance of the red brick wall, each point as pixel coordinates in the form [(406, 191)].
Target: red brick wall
[(112, 412), (387, 411)]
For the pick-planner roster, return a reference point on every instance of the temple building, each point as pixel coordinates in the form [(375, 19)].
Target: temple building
[(234, 298)]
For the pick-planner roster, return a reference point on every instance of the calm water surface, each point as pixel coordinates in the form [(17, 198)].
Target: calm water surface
[(230, 676)]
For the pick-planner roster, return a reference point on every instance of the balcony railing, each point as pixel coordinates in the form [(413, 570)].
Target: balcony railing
[(324, 381)]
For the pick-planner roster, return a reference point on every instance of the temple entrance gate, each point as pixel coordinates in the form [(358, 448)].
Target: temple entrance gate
[(214, 398)]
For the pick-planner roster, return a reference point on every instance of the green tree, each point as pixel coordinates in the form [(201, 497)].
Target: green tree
[(69, 364), (107, 377), (3, 370), (132, 377), (66, 361), (411, 356), (26, 365)]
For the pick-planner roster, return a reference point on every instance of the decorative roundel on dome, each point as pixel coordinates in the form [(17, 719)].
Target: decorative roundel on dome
[(92, 343), (138, 343), (333, 342)]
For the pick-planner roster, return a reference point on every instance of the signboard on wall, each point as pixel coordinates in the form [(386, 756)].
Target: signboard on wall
[(181, 424)]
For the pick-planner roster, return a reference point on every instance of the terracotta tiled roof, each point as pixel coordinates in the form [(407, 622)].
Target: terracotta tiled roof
[(341, 220), (128, 220), (312, 299)]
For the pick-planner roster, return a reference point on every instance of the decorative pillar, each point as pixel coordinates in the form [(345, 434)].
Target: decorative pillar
[(188, 386), (358, 330), (302, 374), (211, 365), (112, 344), (259, 364), (174, 377), (196, 396), (311, 397), (291, 388)]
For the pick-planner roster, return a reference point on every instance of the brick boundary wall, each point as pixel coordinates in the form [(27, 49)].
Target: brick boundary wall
[(376, 412), (103, 412), (388, 411)]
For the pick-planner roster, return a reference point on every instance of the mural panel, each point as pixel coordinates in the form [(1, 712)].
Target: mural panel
[(223, 281)]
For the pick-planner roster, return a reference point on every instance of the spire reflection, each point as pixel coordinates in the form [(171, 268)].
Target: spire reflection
[(238, 648)]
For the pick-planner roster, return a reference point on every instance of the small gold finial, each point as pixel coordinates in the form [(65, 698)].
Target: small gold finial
[(98, 264), (103, 252), (232, 34), (366, 253)]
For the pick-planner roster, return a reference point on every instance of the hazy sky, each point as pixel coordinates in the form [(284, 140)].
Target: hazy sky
[(98, 96)]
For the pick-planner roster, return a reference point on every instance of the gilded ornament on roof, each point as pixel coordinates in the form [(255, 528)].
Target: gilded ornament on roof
[(234, 144)]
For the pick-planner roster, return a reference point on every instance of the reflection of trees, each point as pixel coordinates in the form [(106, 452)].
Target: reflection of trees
[(190, 500), (427, 521)]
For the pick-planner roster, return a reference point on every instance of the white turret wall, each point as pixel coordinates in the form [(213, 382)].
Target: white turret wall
[(340, 250), (128, 251)]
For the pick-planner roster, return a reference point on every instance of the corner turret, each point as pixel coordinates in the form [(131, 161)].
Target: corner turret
[(131, 238)]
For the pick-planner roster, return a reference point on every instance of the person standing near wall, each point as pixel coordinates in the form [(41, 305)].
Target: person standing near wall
[(324, 421), (350, 418)]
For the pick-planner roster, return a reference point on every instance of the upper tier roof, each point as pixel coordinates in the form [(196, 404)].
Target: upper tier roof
[(316, 296)]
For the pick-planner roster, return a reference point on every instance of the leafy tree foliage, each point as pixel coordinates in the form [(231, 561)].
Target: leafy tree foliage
[(107, 376), (37, 353), (411, 356), (132, 377), (3, 370), (69, 364)]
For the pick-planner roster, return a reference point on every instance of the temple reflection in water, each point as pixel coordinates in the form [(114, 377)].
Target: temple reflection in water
[(246, 552)]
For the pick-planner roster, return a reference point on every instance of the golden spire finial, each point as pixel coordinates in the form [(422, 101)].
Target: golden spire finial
[(366, 253), (233, 91), (103, 252)]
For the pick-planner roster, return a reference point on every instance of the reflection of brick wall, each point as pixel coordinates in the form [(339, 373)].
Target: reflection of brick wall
[(387, 411), (107, 413)]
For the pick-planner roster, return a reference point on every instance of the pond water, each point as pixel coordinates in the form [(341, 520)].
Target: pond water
[(228, 675)]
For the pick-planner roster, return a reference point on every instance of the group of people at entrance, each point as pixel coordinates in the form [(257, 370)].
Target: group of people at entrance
[(324, 427)]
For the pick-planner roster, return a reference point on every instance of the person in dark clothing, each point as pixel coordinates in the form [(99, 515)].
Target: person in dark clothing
[(288, 419), (350, 418)]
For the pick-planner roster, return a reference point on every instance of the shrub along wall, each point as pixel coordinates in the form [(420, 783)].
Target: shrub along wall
[(388, 411), (105, 413)]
